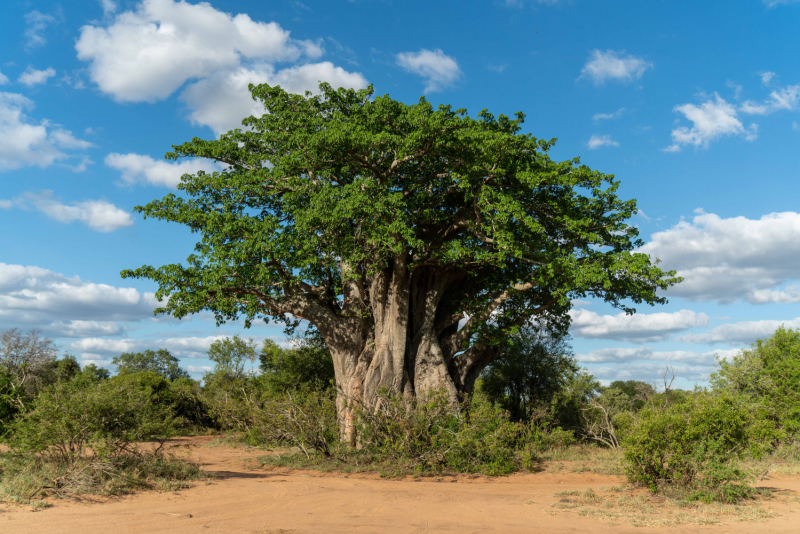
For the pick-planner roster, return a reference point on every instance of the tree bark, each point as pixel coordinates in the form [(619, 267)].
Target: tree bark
[(392, 340)]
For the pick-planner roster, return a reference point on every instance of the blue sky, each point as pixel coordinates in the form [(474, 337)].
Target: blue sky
[(693, 106)]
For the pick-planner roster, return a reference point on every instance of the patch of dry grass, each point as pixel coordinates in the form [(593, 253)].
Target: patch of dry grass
[(784, 462), (582, 458), (636, 507), (26, 479)]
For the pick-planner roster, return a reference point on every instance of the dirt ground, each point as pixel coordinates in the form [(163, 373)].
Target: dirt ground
[(250, 500)]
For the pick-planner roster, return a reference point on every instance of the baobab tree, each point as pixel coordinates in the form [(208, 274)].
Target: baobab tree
[(415, 239)]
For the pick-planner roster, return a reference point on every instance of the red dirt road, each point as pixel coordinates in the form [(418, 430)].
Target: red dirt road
[(242, 500)]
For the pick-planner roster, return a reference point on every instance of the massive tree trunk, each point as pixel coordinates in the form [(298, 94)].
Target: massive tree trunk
[(398, 341)]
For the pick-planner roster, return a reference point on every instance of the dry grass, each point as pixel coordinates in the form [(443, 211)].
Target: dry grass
[(582, 458), (626, 504), (26, 479), (782, 462), (638, 508)]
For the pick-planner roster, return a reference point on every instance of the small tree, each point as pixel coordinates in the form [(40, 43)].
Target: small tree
[(307, 364), (636, 390), (28, 362), (537, 365), (230, 355), (768, 373), (385, 225), (159, 361)]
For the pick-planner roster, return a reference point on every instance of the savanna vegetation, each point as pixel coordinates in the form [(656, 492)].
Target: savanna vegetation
[(424, 263), (71, 431)]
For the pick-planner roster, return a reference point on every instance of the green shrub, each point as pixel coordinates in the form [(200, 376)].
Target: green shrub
[(694, 446), (105, 420), (304, 417), (26, 477), (768, 373), (157, 361), (537, 365), (308, 365), (541, 438), (189, 404), (83, 436), (182, 396), (636, 390), (433, 435)]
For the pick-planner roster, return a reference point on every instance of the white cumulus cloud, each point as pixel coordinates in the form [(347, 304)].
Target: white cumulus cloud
[(33, 77), (109, 7), (650, 372), (188, 347), (438, 69), (784, 99), (740, 333), (137, 168), (147, 54), (730, 259), (222, 100), (597, 141), (25, 142), (634, 354), (610, 65), (640, 327), (711, 120), (32, 296), (96, 214), (36, 23), (606, 116)]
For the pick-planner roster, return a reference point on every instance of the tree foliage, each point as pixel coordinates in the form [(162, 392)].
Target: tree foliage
[(768, 373), (537, 365), (159, 361), (28, 363), (385, 225), (307, 364)]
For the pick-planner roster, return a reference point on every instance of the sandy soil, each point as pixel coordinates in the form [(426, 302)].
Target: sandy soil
[(257, 501)]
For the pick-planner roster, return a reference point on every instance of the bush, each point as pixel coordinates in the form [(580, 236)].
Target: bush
[(156, 361), (695, 446), (767, 373), (636, 390), (308, 365), (182, 397), (104, 420), (83, 436), (532, 371), (540, 438), (23, 477), (433, 435)]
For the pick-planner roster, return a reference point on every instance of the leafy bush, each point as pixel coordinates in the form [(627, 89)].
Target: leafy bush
[(694, 446), (636, 390), (74, 418), (303, 418), (767, 373), (83, 436), (537, 365), (433, 435), (308, 364), (539, 438)]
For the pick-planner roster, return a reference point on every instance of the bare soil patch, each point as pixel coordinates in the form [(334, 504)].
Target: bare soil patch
[(243, 498)]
